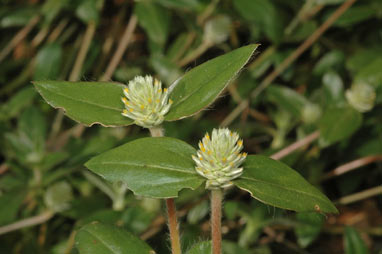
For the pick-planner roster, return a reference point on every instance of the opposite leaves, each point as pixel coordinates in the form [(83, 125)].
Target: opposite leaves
[(100, 102), (151, 167), (98, 238), (274, 183)]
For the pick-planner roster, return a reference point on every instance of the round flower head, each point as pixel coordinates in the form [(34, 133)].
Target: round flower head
[(146, 102), (361, 96), (219, 158)]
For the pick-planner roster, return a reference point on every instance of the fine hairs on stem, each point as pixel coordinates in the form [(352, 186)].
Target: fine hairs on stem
[(216, 216), (170, 205)]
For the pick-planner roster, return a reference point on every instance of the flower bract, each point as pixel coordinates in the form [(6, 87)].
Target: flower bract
[(145, 101), (218, 158)]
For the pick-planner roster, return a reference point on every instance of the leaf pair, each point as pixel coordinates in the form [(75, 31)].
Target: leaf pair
[(100, 102), (161, 167)]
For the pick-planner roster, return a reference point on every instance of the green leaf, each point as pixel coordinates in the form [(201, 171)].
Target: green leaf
[(177, 48), (29, 144), (201, 86), (88, 10), (353, 242), (198, 212), (205, 247), (331, 61), (196, 5), (17, 102), (333, 88), (10, 203), (308, 227), (17, 17), (201, 248), (276, 184), (52, 8), (154, 19), (337, 123), (86, 102), (371, 73), (263, 13), (167, 70), (288, 99), (48, 62), (97, 238), (354, 15), (151, 167)]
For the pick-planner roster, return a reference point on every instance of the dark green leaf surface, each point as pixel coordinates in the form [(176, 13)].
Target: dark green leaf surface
[(10, 203), (371, 73), (354, 15), (353, 242), (97, 238), (48, 62), (201, 248), (151, 167), (287, 98), (274, 183), (337, 123), (264, 14), (200, 87), (88, 11), (86, 102)]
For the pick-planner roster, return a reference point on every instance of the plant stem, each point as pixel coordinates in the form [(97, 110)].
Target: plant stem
[(203, 47), (352, 165), (173, 226), (216, 216), (126, 38), (19, 37), (360, 196), (36, 220), (293, 147), (89, 34), (156, 132), (171, 209)]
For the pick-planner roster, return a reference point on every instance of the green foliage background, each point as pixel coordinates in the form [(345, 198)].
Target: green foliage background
[(43, 152)]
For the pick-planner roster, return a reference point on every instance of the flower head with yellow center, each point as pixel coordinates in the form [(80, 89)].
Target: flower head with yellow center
[(145, 101), (219, 158)]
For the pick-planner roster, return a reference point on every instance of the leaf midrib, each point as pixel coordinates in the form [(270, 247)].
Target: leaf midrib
[(100, 239), (146, 165), (84, 101), (283, 187), (200, 87)]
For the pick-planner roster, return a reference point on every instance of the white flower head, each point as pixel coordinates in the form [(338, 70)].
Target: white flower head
[(219, 158), (361, 96), (145, 101)]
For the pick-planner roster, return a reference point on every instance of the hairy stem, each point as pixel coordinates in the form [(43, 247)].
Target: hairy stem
[(216, 216), (173, 226), (171, 209), (157, 132)]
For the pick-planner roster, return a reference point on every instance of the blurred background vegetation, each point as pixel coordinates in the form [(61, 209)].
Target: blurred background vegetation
[(325, 91)]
